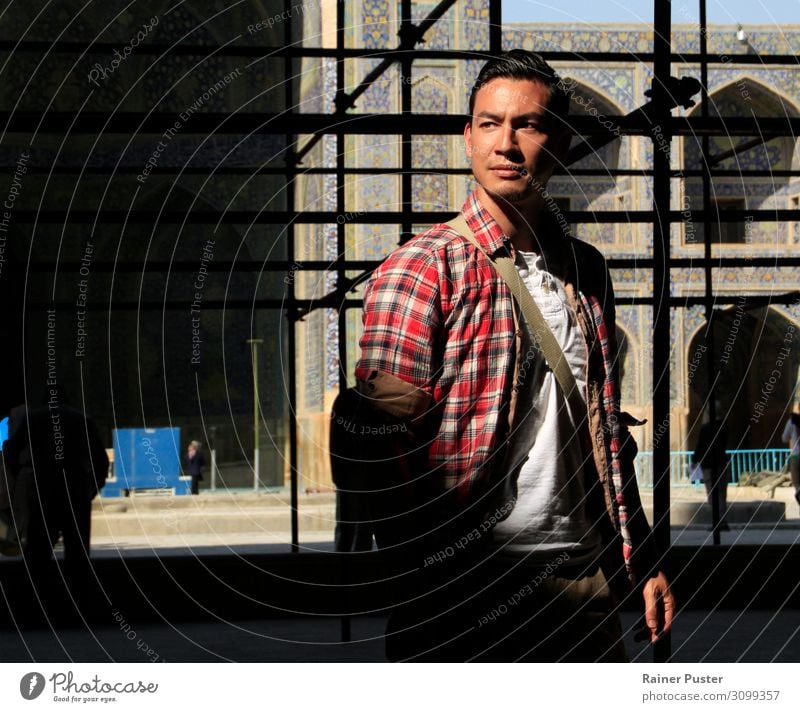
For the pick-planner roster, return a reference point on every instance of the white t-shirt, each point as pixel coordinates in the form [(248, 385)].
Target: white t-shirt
[(545, 458)]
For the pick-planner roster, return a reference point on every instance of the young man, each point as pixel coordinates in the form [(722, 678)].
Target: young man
[(515, 512), (711, 455)]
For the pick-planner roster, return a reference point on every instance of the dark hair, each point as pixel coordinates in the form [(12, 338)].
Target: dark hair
[(522, 64)]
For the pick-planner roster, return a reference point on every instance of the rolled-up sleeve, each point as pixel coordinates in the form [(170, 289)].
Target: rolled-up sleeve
[(399, 351)]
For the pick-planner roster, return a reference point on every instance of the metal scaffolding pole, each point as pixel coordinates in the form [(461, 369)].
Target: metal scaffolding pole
[(254, 344), (291, 304), (661, 288)]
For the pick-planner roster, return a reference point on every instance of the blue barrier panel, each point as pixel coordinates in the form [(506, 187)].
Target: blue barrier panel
[(147, 459)]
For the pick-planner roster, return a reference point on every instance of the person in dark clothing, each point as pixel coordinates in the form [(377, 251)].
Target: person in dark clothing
[(711, 455), (791, 436), (59, 464), (193, 464), (354, 523)]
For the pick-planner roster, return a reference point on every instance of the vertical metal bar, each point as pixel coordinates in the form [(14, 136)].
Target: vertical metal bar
[(341, 243), (495, 26), (706, 178), (405, 109), (345, 621), (254, 344), (213, 470), (709, 292), (256, 423), (661, 281), (291, 307)]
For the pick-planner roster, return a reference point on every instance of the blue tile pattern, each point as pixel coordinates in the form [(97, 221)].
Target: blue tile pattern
[(443, 87)]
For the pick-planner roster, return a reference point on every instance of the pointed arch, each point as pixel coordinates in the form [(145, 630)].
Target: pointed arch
[(588, 100), (744, 95), (755, 363), (440, 90), (430, 95), (600, 192), (750, 88)]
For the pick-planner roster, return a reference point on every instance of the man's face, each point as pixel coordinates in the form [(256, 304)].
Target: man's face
[(513, 143)]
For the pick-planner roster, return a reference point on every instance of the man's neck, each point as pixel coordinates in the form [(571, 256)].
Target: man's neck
[(519, 221)]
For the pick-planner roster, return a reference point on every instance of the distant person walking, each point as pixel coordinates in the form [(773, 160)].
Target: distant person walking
[(194, 463), (711, 455), (59, 464), (791, 436)]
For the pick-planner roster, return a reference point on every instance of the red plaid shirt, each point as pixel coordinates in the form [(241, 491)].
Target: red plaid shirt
[(440, 344)]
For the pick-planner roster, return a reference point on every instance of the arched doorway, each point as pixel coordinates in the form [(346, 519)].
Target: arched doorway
[(742, 97), (755, 361)]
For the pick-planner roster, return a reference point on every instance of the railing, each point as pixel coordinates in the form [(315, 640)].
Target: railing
[(741, 461)]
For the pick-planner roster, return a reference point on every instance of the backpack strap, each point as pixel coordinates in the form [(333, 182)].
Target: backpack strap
[(541, 334)]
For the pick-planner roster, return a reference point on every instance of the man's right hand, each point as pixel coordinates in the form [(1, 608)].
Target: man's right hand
[(659, 606)]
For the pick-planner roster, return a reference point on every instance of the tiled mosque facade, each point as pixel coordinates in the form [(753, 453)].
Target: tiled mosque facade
[(141, 362), (747, 340)]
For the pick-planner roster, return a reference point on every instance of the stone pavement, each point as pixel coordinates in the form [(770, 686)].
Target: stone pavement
[(237, 528), (699, 636), (321, 541), (223, 519)]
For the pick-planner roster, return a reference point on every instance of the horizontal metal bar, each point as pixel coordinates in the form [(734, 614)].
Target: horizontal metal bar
[(54, 122), (283, 304), (753, 300), (727, 60), (768, 126), (238, 50), (286, 170), (217, 169), (225, 266), (233, 50), (209, 217), (247, 305), (734, 173), (726, 216), (700, 262), (283, 171)]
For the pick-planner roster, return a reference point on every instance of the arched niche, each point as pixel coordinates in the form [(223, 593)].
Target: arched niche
[(601, 192), (744, 97), (430, 95), (587, 101), (755, 366)]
